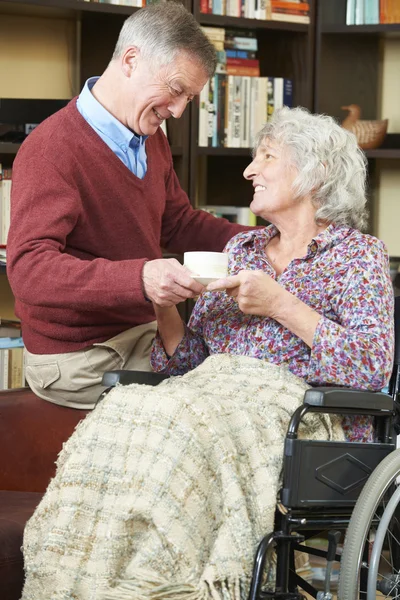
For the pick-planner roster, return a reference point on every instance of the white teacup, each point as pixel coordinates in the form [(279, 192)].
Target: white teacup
[(206, 266)]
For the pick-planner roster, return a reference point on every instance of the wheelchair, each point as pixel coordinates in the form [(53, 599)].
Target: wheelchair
[(341, 490)]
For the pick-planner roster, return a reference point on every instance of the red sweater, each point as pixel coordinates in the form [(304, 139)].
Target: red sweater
[(82, 226)]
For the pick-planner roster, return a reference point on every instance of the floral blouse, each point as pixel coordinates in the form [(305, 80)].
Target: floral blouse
[(344, 277)]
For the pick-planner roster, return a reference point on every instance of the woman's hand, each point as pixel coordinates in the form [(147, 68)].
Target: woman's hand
[(255, 292), (258, 294)]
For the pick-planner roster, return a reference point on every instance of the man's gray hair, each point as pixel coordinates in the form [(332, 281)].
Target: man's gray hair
[(164, 29), (332, 168)]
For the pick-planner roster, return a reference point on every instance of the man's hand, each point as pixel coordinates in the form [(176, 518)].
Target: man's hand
[(255, 292), (166, 282)]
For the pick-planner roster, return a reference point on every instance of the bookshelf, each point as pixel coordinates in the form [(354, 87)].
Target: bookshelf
[(284, 50), (360, 64)]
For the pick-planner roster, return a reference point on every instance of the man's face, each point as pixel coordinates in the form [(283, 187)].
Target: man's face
[(152, 95)]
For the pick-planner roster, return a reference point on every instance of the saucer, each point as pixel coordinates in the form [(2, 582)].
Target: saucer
[(205, 280)]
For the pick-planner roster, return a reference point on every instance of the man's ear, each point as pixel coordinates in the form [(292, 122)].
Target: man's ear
[(129, 60)]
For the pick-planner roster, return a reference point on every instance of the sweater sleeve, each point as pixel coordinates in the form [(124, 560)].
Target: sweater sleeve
[(45, 209), (357, 351)]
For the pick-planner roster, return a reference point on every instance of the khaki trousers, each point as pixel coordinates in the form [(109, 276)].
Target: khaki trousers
[(74, 379)]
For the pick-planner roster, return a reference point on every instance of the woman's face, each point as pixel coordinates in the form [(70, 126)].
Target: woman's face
[(272, 176)]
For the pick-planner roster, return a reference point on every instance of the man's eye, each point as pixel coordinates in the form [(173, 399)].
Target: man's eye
[(175, 92)]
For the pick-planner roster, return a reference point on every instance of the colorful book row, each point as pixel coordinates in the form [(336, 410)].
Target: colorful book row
[(234, 108), (295, 11), (372, 12)]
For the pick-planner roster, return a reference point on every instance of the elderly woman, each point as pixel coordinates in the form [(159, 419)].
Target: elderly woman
[(163, 493), (309, 290)]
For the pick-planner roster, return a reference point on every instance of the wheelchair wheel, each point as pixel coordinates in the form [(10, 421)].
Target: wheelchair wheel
[(368, 570)]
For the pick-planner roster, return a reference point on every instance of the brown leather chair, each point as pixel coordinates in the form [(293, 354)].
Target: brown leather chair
[(32, 432)]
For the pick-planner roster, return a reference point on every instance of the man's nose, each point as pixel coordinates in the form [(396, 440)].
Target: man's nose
[(177, 106)]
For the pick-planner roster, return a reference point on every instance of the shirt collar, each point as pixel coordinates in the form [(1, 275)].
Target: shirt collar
[(104, 121), (329, 237)]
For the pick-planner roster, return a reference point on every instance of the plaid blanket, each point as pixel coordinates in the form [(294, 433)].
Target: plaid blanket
[(163, 493)]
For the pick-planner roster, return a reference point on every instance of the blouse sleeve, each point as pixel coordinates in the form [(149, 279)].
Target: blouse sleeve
[(357, 351)]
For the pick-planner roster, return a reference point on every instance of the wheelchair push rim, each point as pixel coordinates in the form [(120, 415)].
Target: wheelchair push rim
[(359, 550)]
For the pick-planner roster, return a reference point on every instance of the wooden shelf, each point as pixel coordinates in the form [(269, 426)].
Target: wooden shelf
[(392, 153), (74, 5), (223, 21), (383, 29), (205, 151), (9, 148)]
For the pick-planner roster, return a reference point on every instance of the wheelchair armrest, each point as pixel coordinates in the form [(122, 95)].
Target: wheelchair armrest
[(111, 378), (347, 398)]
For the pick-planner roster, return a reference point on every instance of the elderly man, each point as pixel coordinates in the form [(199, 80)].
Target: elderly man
[(94, 197)]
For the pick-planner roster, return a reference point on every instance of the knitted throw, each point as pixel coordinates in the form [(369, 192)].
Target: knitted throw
[(163, 493)]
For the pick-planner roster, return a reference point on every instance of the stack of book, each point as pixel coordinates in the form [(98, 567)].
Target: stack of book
[(292, 11), (236, 50), (12, 370), (372, 12), (5, 201), (236, 102), (295, 11)]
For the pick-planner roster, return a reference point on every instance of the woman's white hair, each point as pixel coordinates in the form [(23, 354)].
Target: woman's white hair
[(162, 30), (331, 166)]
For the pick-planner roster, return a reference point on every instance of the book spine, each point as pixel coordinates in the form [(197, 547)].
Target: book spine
[(221, 118), (204, 6), (210, 113), (242, 62), (242, 71), (215, 115), (351, 12), (246, 54), (359, 20), (290, 18), (290, 5), (287, 92), (236, 112), (278, 93), (203, 115), (270, 98)]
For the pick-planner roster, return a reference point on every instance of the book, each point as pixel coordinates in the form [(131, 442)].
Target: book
[(359, 16), (290, 18), (371, 12), (10, 328), (351, 12)]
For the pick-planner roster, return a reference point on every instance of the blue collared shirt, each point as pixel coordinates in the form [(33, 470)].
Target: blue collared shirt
[(129, 147)]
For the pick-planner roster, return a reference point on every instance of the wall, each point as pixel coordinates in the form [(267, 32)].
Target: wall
[(37, 57), (387, 210)]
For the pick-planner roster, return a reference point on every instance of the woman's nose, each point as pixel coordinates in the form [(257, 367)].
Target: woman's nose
[(250, 170)]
